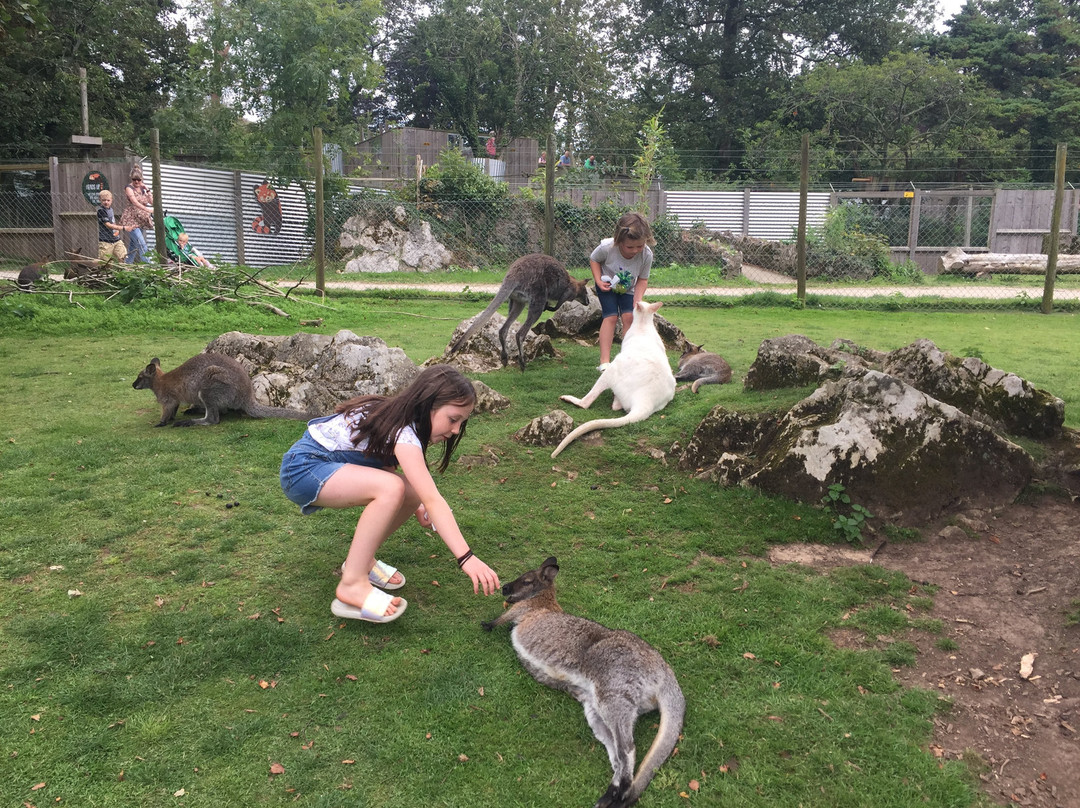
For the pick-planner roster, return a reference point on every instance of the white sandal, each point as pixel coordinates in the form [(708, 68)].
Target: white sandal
[(373, 610)]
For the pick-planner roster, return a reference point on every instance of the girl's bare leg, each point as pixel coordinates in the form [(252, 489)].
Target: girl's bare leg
[(388, 501), (607, 336)]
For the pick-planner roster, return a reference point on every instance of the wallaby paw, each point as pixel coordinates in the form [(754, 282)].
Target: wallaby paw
[(487, 625)]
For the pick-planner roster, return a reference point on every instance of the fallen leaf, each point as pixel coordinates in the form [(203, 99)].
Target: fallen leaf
[(255, 616), (74, 593), (36, 717), (351, 677), (348, 762), (462, 758), (694, 785), (480, 691), (276, 768), (748, 655), (1027, 665), (179, 793), (39, 785), (668, 500), (159, 601), (264, 684)]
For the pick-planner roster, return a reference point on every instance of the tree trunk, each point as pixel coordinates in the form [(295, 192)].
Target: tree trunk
[(958, 262)]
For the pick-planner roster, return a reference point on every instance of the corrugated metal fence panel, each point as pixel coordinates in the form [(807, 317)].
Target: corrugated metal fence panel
[(291, 243), (717, 210), (204, 200), (770, 214), (774, 215)]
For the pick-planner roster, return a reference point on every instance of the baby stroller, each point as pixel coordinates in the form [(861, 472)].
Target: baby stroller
[(175, 253)]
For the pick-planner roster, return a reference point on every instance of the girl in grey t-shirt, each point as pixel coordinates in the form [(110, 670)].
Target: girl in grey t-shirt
[(620, 266)]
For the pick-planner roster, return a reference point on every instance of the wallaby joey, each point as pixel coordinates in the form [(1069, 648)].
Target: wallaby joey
[(616, 676), (209, 382), (537, 281)]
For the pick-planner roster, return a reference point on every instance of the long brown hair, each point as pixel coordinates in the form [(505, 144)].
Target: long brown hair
[(385, 416)]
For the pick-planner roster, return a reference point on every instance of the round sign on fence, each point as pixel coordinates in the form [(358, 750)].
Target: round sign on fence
[(92, 186)]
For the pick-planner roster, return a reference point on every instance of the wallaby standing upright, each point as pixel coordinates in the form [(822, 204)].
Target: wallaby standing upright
[(639, 377), (537, 281), (701, 367), (616, 676), (210, 381)]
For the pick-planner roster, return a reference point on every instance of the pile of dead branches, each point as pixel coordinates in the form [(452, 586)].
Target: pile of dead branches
[(169, 284)]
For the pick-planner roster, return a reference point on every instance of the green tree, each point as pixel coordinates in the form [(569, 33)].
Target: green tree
[(499, 66), (290, 65), (721, 65), (908, 117), (134, 53), (1028, 52)]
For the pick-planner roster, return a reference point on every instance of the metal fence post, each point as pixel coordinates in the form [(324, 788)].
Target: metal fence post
[(800, 246)]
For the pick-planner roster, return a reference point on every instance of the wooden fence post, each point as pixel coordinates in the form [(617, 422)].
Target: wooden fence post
[(800, 241), (159, 214), (1055, 230), (320, 221), (549, 197)]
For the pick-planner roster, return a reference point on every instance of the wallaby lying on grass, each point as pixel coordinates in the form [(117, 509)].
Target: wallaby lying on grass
[(616, 676), (210, 382), (537, 281), (639, 377), (701, 367)]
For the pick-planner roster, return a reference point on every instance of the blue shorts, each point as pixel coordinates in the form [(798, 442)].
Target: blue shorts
[(612, 304), (308, 465)]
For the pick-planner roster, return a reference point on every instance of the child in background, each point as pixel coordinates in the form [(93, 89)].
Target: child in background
[(189, 253), (350, 459), (620, 267), (110, 245)]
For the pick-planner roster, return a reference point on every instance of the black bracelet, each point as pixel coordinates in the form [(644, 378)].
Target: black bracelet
[(463, 558)]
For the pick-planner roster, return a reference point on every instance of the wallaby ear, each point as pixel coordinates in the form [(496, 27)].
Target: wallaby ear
[(155, 362), (549, 569)]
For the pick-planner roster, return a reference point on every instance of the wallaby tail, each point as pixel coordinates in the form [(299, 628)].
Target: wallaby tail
[(599, 423), (479, 321), (262, 411), (672, 708)]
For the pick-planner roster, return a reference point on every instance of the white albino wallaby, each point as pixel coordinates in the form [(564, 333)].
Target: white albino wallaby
[(640, 378)]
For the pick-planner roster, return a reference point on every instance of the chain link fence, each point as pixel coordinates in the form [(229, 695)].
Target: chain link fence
[(863, 248)]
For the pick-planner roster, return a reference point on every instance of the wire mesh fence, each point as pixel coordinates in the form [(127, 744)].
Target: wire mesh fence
[(860, 245)]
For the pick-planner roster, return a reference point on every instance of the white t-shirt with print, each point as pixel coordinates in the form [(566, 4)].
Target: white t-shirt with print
[(335, 433), (611, 262)]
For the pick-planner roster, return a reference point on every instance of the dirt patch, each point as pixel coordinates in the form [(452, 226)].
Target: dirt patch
[(1005, 591)]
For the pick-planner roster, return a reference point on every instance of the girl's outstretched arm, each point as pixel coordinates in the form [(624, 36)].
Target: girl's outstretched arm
[(416, 471)]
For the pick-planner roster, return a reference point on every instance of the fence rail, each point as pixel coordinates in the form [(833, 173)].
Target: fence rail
[(861, 243)]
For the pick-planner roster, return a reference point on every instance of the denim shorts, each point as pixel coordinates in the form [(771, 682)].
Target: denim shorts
[(612, 303), (308, 465)]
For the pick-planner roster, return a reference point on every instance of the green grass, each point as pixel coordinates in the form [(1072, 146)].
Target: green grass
[(201, 650)]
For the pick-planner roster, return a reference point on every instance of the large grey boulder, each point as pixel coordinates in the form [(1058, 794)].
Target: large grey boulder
[(389, 242), (797, 361), (1002, 400), (315, 372), (897, 451)]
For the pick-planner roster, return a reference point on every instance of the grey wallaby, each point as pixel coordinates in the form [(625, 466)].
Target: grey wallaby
[(701, 367), (537, 281), (209, 382), (31, 274), (616, 676)]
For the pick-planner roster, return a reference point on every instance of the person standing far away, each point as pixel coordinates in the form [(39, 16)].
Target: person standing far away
[(543, 159), (490, 146), (110, 245), (564, 161), (137, 215), (620, 266), (590, 162)]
